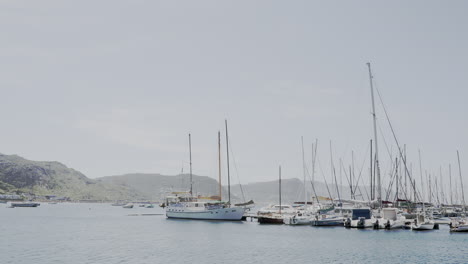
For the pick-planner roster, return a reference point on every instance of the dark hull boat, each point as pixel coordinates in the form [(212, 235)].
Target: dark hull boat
[(25, 204)]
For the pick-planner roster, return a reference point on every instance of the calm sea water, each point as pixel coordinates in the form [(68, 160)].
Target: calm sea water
[(101, 233)]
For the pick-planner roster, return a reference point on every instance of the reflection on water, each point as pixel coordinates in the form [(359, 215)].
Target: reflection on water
[(101, 233)]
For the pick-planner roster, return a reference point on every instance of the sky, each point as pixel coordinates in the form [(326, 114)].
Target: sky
[(114, 87)]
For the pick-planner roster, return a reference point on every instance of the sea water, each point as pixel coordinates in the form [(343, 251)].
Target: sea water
[(101, 233)]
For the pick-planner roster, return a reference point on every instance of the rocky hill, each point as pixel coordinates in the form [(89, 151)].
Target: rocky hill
[(53, 178)]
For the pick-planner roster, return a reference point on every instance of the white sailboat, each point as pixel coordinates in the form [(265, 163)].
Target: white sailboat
[(186, 206), (460, 224), (306, 213)]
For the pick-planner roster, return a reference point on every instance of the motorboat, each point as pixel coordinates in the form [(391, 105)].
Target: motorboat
[(390, 219), (422, 223), (360, 218)]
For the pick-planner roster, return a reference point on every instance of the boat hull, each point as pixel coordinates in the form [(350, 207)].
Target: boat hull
[(332, 221), (423, 227), (25, 204), (270, 220), (227, 214), (298, 220), (460, 228)]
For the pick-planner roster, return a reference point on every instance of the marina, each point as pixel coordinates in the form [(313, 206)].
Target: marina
[(91, 233)]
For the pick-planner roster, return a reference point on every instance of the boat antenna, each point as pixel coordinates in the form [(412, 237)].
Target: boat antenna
[(227, 157), (219, 164), (377, 167), (190, 153)]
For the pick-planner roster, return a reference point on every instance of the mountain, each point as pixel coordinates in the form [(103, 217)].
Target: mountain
[(156, 186), (292, 190), (53, 178)]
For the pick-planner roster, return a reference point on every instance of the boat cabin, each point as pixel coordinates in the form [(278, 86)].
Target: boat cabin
[(358, 213)]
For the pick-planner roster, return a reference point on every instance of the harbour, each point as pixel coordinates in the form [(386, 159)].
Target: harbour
[(100, 233)]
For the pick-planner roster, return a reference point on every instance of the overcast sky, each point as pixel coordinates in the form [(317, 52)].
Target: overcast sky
[(114, 87)]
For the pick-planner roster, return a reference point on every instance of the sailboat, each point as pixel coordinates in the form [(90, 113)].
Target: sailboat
[(274, 214), (184, 205), (305, 214), (460, 224)]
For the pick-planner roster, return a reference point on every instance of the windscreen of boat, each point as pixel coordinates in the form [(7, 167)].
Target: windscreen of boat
[(361, 213)]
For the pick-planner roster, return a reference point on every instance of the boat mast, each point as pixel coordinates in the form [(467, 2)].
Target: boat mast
[(333, 172), (190, 153), (371, 174), (227, 157), (461, 183), (219, 164), (280, 189), (304, 172), (377, 167), (421, 174), (450, 175)]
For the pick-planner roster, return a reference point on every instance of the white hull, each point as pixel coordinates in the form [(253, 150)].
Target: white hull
[(231, 214), (367, 223), (297, 220), (329, 221), (460, 228), (423, 227), (391, 224), (443, 221)]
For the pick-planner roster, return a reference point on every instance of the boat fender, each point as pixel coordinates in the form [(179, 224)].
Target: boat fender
[(376, 224)]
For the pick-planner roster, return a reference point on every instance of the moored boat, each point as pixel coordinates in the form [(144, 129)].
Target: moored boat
[(360, 218), (25, 204), (422, 223)]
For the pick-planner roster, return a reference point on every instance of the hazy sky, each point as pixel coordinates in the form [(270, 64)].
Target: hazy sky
[(113, 87)]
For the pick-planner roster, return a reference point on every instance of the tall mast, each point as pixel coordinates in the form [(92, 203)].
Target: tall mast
[(227, 157), (190, 153), (371, 183), (219, 165), (377, 167), (396, 176), (450, 175), (461, 182), (333, 172), (280, 189), (421, 174), (304, 172)]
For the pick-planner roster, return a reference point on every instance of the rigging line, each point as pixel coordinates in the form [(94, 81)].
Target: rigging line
[(344, 171), (393, 176), (323, 175), (314, 157), (393, 132), (237, 171), (360, 175), (389, 151), (313, 188)]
